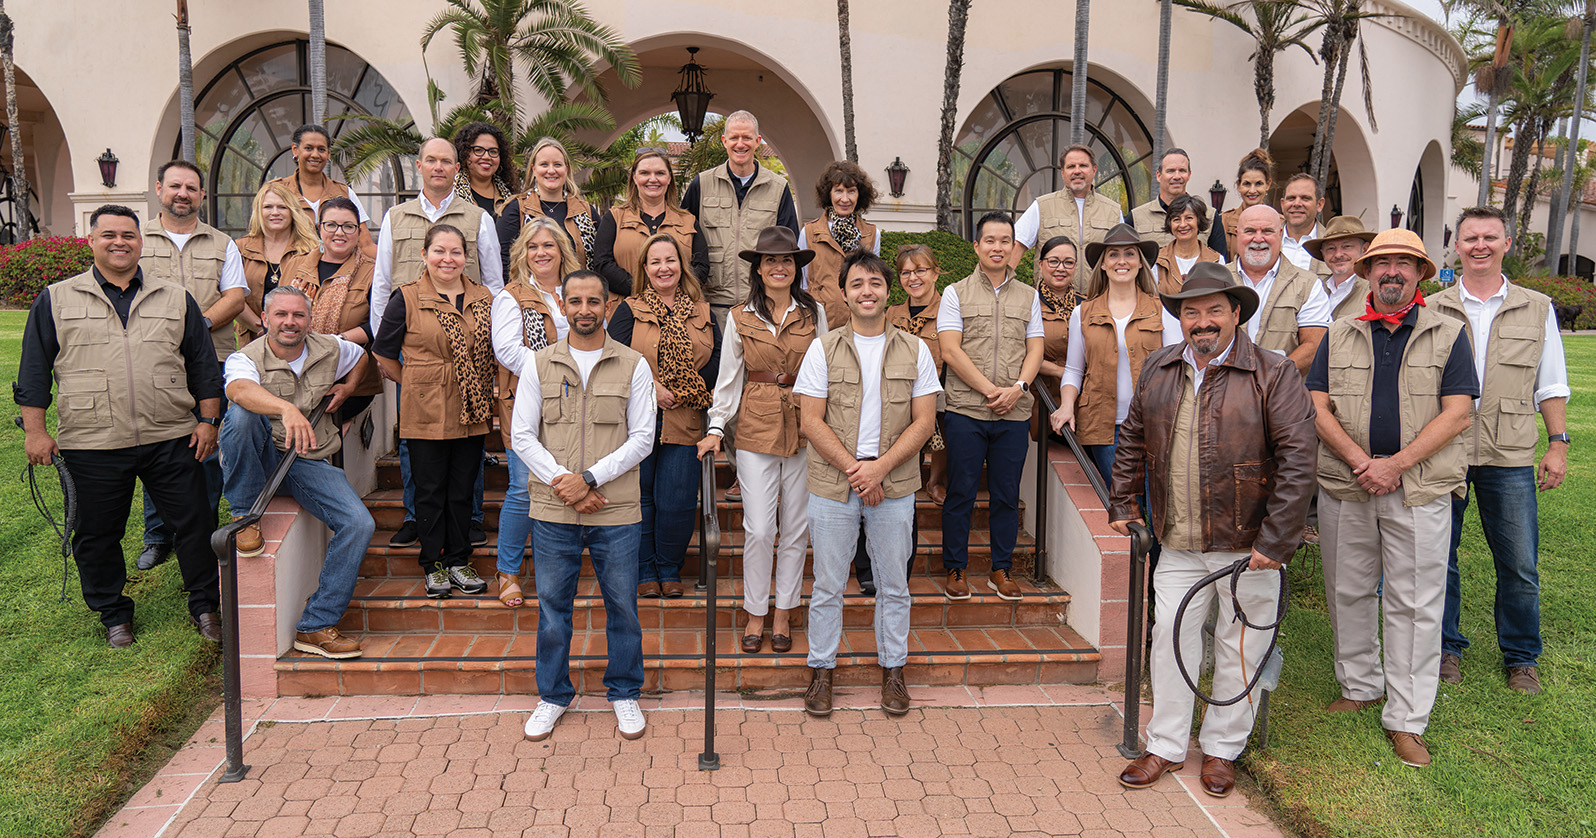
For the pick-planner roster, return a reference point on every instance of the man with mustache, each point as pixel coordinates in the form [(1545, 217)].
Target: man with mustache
[(1174, 170), (1393, 389), (1339, 246), (1078, 210), (1220, 434), (274, 383), (180, 248), (1294, 312)]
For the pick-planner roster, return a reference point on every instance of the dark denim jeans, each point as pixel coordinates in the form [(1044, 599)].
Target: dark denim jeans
[(1103, 457), (1508, 516), (669, 478), (557, 562), (1000, 446)]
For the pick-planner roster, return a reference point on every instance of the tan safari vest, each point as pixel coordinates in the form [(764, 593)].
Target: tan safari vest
[(528, 301), (304, 391), (582, 425), (429, 395), (198, 268), (1144, 335), (682, 425), (631, 232), (1503, 431), (1356, 303), (1148, 219), (767, 415), (994, 338), (826, 268), (730, 228), (118, 387), (409, 226), (1059, 218), (844, 394), (353, 280), (1351, 354), (1277, 316)]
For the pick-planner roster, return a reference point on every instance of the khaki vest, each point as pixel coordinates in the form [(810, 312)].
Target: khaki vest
[(1148, 219), (767, 414), (582, 425), (532, 207), (1277, 316), (844, 395), (994, 338), (1183, 517), (826, 268), (429, 393), (730, 228), (1167, 270), (118, 387), (1059, 218), (526, 298), (353, 281), (1351, 355), (1099, 398), (1357, 300), (304, 391), (1503, 432), (198, 268), (680, 425), (631, 232), (409, 226)]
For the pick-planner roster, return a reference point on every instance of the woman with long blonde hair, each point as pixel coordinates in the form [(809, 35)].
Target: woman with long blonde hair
[(278, 229), (551, 192)]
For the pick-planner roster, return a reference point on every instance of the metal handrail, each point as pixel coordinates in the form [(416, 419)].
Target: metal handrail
[(224, 542), (708, 558)]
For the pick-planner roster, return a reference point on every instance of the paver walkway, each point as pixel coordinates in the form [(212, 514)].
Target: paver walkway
[(994, 761)]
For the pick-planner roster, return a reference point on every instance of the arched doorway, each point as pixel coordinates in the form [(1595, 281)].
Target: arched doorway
[(245, 117), (46, 163), (1291, 146), (1007, 154)]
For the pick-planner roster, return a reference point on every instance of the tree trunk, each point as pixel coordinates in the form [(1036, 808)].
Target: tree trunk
[(1079, 72), (1502, 34), (185, 83), (1573, 236), (958, 17), (1159, 122), (1263, 86), (1322, 173), (318, 61), (845, 47), (1532, 189), (1554, 234), (21, 212), (1554, 208), (1330, 54), (1523, 144)]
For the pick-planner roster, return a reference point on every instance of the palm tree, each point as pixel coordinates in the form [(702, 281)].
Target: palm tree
[(1078, 73), (19, 176), (1554, 231), (1541, 75), (185, 83), (1341, 20), (1274, 26), (845, 47), (958, 18), (318, 61), (1165, 12)]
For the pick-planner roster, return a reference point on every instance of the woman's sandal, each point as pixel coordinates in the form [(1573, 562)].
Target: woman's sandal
[(510, 590)]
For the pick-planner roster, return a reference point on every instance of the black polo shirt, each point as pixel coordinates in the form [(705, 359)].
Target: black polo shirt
[(1390, 345)]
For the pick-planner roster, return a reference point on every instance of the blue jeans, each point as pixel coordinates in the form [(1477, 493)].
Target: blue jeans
[(669, 478), (999, 445), (557, 562), (889, 536), (514, 525), (410, 488), (1103, 457), (249, 457), (1508, 516)]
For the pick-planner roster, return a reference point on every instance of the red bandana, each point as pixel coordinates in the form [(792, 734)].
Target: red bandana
[(1395, 317)]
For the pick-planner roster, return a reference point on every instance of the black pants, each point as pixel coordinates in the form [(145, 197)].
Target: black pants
[(861, 557), (444, 471), (176, 482)]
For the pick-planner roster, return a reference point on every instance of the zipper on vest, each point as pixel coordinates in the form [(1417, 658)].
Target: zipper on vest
[(584, 420), (997, 322), (132, 389)]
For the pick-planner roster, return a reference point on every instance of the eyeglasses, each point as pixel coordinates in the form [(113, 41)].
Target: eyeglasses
[(340, 227), (921, 272), (1055, 263), (479, 151), (644, 151)]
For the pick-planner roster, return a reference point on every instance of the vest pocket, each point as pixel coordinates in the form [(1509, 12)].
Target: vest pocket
[(85, 401), (1515, 421), (1349, 375), (1424, 376), (172, 395), (608, 401), (553, 399), (87, 326), (1517, 346)]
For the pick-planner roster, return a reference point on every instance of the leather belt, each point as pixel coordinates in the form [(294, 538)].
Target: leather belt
[(781, 379)]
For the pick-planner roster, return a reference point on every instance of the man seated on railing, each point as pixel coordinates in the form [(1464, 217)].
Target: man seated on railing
[(274, 383), (1230, 476)]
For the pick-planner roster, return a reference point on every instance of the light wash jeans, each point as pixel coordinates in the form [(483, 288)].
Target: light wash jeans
[(514, 525), (889, 536)]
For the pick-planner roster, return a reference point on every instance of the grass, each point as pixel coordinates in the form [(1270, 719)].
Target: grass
[(81, 725), (1505, 764)]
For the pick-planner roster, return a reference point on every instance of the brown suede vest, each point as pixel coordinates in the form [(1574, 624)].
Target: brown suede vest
[(1144, 335), (767, 414), (429, 395), (826, 268)]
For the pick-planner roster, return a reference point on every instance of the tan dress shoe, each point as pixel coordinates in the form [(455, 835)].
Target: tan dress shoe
[(1145, 770), (648, 590), (1352, 705), (957, 588), (1003, 585), (670, 590), (1409, 747), (1218, 778), (249, 541)]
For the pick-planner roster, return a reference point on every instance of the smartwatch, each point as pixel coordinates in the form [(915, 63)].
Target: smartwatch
[(1024, 387), (213, 421), (590, 480), (1562, 437)]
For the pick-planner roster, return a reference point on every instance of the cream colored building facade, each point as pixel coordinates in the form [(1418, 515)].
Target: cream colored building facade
[(97, 76)]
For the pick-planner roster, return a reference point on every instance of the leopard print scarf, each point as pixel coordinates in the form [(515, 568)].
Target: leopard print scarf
[(473, 365), (676, 370), (586, 230), (926, 315), (532, 332), (462, 187), (844, 230), (1061, 306)]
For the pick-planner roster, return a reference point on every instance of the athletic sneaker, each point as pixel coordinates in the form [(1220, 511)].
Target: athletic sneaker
[(466, 579), (541, 724), (438, 582), (629, 718), (407, 536)]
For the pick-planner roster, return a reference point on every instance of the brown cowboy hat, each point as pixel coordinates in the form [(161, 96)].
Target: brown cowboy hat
[(1212, 278), (1123, 235), (1340, 227), (777, 241), (1397, 242)]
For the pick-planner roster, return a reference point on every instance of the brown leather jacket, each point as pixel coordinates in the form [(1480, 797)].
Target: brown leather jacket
[(1257, 445)]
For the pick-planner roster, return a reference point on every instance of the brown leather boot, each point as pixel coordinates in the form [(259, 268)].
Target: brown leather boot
[(894, 693), (1145, 770), (817, 701)]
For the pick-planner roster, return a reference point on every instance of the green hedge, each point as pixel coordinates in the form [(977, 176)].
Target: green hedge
[(1569, 291), (954, 254), (26, 269)]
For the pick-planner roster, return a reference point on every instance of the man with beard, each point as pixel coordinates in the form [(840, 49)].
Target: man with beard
[(1294, 311), (1339, 246), (180, 248), (274, 382), (1393, 389), (1174, 170), (1221, 436), (1301, 204), (1077, 211)]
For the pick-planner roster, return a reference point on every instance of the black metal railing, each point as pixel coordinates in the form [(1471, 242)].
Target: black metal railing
[(224, 542), (708, 558)]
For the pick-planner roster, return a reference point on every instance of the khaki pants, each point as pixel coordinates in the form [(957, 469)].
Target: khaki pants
[(775, 502), (1406, 547)]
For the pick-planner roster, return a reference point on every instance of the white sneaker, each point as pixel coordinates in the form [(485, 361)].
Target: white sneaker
[(542, 722), (629, 718)]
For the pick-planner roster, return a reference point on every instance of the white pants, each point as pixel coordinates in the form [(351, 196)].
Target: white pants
[(775, 499), (1225, 729), (1407, 547)]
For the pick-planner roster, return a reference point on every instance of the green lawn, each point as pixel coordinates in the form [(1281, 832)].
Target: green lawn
[(1505, 764), (81, 724)]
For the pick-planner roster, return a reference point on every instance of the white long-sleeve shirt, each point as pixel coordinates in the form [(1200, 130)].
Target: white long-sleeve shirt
[(528, 417), (488, 261), (733, 374), (509, 329), (1075, 358)]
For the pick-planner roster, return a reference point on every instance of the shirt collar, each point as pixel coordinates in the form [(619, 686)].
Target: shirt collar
[(427, 207), (1501, 292), (1312, 234), (1268, 277), (133, 285), (1191, 358)]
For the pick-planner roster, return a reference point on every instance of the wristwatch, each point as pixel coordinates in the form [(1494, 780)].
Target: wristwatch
[(1562, 437), (590, 480), (1024, 387), (213, 421)]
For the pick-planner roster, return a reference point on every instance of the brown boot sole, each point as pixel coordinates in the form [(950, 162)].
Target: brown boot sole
[(313, 649)]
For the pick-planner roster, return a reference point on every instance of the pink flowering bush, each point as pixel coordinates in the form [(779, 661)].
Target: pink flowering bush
[(1568, 291), (26, 268)]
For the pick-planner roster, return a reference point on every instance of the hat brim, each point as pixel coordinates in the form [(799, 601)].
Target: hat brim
[(1426, 264), (1240, 293), (802, 256), (1149, 249), (1315, 247)]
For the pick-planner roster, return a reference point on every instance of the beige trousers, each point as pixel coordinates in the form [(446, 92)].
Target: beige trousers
[(775, 500), (1406, 547)]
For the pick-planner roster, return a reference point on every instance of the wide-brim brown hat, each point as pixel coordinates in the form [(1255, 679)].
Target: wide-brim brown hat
[(1206, 278), (1123, 235), (777, 241), (1340, 227), (1397, 242)]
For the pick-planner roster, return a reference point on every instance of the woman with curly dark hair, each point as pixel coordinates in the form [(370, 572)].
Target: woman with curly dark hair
[(487, 172), (845, 192)]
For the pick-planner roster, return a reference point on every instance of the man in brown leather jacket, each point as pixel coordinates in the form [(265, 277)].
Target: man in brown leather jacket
[(1221, 435)]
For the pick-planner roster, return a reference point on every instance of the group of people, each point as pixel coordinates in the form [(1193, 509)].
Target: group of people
[(1223, 373)]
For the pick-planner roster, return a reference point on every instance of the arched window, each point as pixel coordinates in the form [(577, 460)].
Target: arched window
[(1007, 154), (246, 116), (1416, 202)]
